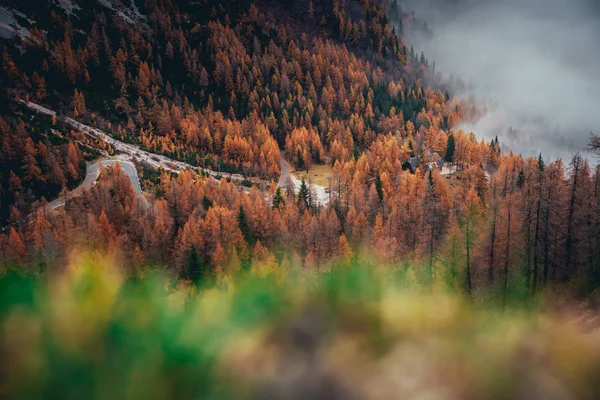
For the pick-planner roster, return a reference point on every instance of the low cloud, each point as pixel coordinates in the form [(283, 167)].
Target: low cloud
[(537, 60)]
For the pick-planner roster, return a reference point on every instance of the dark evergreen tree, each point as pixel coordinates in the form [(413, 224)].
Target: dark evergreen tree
[(422, 60), (521, 179), (301, 161), (244, 226), (194, 268), (304, 195), (206, 203), (450, 148), (278, 199), (379, 187)]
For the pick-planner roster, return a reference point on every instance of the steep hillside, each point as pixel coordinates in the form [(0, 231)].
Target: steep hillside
[(160, 71), (248, 87), (275, 199)]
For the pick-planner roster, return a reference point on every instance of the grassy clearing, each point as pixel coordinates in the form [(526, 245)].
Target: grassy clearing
[(317, 174)]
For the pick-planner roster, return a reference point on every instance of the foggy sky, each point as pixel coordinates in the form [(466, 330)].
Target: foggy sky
[(538, 60)]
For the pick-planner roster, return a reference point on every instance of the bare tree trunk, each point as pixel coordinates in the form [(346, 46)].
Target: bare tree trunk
[(468, 245), (546, 239), (535, 241), (528, 240), (431, 246), (569, 246), (595, 236), (493, 245), (507, 255)]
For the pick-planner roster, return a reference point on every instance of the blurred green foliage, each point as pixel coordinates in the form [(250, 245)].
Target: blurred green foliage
[(353, 332)]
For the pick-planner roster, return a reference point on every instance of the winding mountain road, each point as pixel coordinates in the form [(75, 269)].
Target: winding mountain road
[(133, 151), (160, 161), (91, 177)]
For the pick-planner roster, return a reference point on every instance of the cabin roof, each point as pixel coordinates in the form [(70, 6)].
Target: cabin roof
[(414, 162), (428, 158)]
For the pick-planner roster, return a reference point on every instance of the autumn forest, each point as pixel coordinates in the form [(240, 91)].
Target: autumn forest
[(210, 139)]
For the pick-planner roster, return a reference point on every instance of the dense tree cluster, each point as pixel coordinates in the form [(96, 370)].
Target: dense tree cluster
[(36, 161), (530, 223), (214, 92), (233, 88)]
